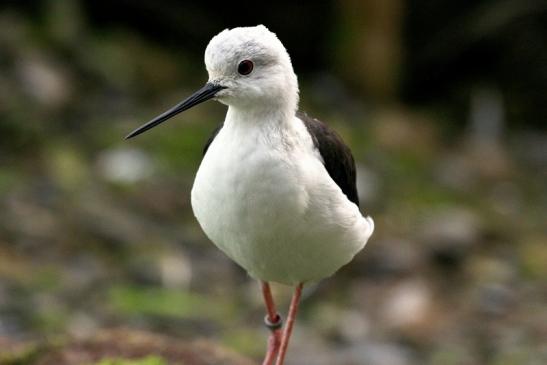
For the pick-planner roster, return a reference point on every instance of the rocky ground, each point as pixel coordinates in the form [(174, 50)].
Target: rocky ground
[(120, 347)]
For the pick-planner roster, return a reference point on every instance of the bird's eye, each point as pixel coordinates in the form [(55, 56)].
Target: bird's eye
[(245, 67)]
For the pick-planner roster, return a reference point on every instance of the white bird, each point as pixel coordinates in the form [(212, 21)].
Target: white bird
[(275, 190)]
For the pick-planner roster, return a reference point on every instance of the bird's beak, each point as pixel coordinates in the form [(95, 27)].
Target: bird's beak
[(205, 93)]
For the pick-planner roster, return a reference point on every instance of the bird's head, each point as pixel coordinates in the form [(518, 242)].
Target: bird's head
[(253, 67), (249, 68)]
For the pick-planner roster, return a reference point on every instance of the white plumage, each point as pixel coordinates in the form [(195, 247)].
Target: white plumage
[(262, 193)]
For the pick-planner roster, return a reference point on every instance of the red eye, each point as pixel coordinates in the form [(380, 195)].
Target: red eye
[(245, 67)]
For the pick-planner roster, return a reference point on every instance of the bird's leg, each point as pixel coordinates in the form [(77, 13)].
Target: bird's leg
[(274, 322), (291, 317)]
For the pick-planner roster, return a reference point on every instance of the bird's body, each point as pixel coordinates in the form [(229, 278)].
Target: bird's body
[(275, 189), (263, 196)]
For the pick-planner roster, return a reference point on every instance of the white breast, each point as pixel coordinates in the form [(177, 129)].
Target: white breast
[(263, 197)]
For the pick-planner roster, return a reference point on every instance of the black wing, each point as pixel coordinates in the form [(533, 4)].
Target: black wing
[(336, 155), (212, 137)]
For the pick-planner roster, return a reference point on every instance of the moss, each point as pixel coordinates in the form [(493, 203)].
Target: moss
[(147, 301), (24, 355), (8, 180), (245, 341)]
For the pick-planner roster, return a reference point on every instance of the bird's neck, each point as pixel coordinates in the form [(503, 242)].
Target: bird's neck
[(264, 116)]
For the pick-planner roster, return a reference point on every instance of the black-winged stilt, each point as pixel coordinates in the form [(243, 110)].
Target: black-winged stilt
[(275, 189)]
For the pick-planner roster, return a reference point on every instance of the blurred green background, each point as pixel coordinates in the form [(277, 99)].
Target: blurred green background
[(444, 104)]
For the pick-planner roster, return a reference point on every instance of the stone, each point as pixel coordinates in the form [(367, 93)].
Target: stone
[(124, 165)]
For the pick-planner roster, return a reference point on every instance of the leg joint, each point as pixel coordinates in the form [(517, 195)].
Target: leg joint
[(274, 324)]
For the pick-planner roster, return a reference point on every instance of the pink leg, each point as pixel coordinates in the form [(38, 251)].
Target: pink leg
[(273, 321), (290, 322)]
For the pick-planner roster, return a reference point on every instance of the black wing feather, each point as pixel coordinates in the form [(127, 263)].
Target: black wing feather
[(336, 155), (212, 137)]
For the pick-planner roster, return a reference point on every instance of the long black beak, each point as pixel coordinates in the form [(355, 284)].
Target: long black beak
[(205, 93)]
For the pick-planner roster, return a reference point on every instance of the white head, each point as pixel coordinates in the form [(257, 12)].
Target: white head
[(249, 69), (254, 67)]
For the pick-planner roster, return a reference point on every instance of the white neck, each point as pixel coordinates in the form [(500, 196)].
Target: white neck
[(267, 114)]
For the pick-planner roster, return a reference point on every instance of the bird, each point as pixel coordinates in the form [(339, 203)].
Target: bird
[(276, 188)]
